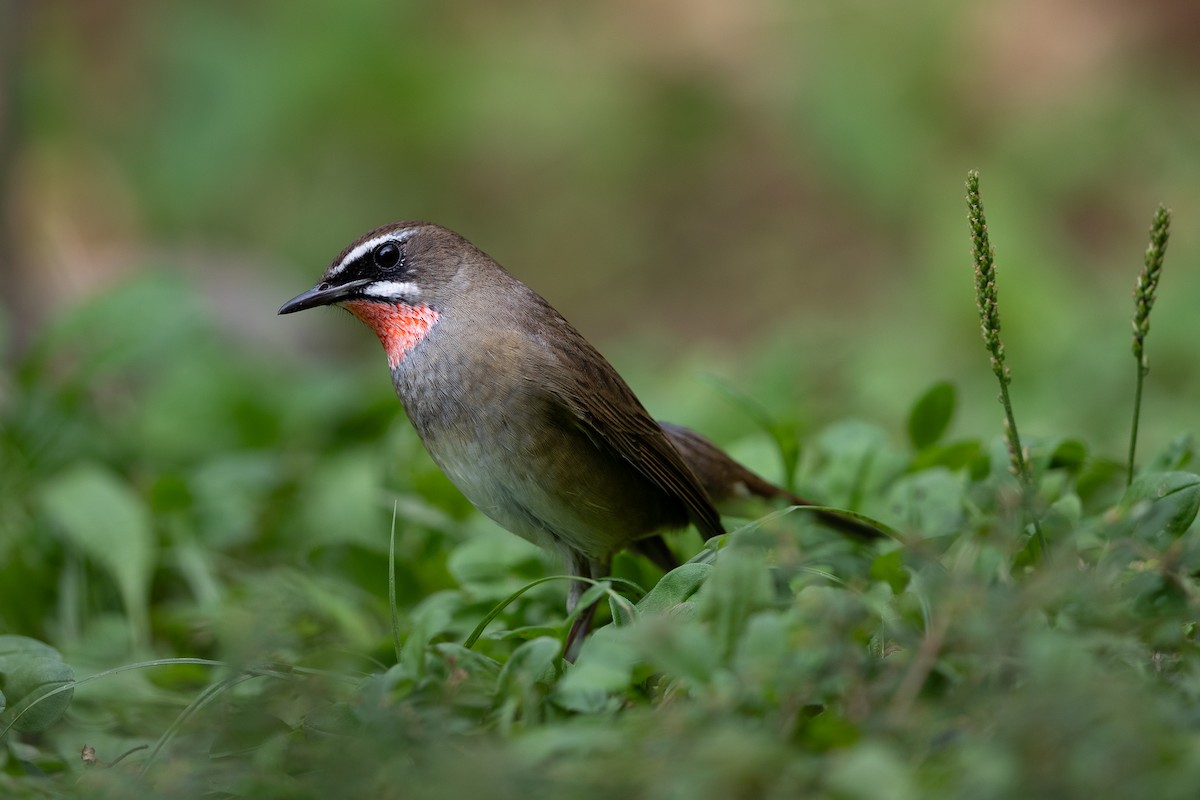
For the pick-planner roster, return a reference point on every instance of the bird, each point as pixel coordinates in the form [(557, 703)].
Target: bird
[(524, 416)]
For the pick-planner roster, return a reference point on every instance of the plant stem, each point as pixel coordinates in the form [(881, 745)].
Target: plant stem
[(1147, 285), (987, 298)]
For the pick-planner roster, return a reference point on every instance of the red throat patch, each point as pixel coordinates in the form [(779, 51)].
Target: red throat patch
[(399, 327)]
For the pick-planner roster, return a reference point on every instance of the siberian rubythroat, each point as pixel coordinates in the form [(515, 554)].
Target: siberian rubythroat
[(523, 415)]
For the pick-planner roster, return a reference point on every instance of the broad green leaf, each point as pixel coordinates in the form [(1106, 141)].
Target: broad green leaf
[(929, 503), (605, 665), (675, 587), (931, 415), (1163, 501), (28, 670), (593, 594), (100, 515)]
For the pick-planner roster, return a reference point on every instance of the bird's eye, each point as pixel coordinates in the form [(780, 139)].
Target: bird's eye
[(387, 255)]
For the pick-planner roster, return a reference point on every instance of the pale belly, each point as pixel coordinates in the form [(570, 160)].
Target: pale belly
[(566, 496)]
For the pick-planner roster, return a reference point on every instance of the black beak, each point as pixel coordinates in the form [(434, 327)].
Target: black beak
[(322, 295)]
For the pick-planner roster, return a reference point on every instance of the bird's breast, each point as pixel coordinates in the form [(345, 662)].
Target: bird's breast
[(400, 327)]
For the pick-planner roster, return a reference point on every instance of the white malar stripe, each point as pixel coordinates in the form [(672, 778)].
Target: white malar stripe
[(366, 247), (393, 290)]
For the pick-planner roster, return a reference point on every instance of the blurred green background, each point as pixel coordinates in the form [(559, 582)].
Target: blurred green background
[(766, 191)]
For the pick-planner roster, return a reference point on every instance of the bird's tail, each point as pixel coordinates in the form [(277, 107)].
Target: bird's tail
[(727, 482)]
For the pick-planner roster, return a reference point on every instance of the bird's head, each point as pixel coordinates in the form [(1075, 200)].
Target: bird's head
[(393, 278)]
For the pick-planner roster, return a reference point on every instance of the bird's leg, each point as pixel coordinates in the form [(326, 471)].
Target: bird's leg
[(579, 565)]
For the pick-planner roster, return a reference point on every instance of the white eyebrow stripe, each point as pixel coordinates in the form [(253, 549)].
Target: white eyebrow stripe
[(365, 247), (392, 290)]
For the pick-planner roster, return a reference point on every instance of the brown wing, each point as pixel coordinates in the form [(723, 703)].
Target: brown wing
[(595, 395)]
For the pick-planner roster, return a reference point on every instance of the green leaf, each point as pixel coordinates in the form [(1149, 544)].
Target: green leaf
[(99, 514), (676, 587), (1163, 502), (28, 670), (956, 455), (1070, 454), (929, 503), (606, 662), (527, 632), (931, 414), (591, 596), (530, 664)]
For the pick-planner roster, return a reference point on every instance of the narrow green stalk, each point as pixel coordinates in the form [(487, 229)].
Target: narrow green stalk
[(1143, 295), (395, 612), (988, 301)]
